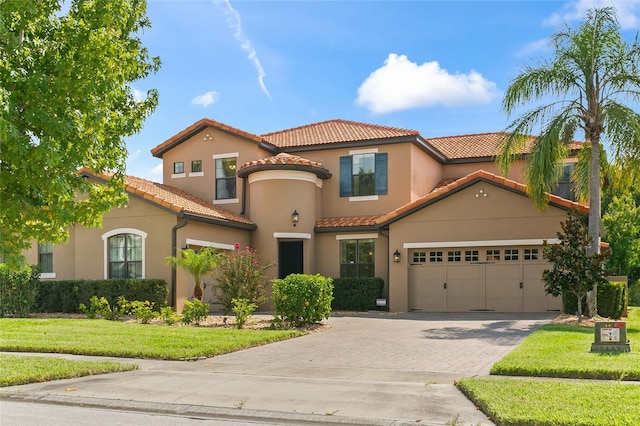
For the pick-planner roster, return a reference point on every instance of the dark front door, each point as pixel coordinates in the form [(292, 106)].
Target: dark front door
[(290, 258)]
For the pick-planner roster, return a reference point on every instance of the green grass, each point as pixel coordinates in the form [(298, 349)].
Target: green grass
[(526, 402), (564, 351), (133, 340), (19, 370)]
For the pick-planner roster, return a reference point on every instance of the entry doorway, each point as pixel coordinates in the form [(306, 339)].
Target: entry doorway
[(290, 258)]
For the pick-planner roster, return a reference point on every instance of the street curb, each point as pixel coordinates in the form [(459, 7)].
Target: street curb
[(205, 412)]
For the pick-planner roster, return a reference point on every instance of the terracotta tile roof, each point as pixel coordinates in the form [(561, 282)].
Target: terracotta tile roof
[(443, 182), (480, 174), (477, 145), (284, 161), (197, 126), (346, 222), (173, 198), (334, 131)]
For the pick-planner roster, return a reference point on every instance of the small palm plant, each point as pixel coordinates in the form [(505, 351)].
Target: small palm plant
[(197, 264)]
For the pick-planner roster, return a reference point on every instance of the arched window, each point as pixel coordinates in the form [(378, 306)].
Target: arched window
[(124, 253)]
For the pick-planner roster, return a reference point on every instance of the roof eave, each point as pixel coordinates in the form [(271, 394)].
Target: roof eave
[(221, 222), (322, 173), (334, 229)]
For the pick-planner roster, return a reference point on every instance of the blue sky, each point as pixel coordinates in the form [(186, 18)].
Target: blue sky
[(439, 67)]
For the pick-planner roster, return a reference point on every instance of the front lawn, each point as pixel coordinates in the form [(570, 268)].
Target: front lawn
[(517, 402), (564, 351), (19, 370), (132, 340)]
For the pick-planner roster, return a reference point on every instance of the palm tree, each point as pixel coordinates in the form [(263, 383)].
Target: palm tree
[(584, 85), (197, 264)]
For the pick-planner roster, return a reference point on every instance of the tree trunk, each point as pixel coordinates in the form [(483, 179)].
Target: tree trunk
[(580, 309), (198, 293), (594, 213)]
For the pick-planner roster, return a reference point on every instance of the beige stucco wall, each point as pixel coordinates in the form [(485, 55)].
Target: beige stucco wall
[(456, 171), (202, 146), (426, 172), (502, 215)]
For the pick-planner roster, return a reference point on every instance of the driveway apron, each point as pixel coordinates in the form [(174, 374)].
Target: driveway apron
[(376, 368)]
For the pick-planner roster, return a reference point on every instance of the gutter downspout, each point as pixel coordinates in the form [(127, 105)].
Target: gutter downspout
[(174, 252), (244, 195), (388, 286)]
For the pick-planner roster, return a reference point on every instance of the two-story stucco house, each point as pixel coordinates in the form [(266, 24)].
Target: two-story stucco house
[(432, 217)]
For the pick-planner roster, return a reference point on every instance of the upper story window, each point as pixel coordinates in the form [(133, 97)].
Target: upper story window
[(125, 256), (225, 178), (196, 166), (45, 257), (363, 174), (565, 188), (356, 258), (178, 167)]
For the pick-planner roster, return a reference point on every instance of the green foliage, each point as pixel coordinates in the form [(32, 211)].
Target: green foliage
[(18, 290), (301, 299), (143, 311), (634, 293), (102, 307), (241, 274), (583, 86), (197, 264), (169, 316), (194, 312), (612, 299), (574, 270), (243, 309), (66, 296), (622, 232), (356, 294), (66, 102)]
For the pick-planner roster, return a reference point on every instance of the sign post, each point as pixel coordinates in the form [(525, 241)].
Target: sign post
[(610, 336)]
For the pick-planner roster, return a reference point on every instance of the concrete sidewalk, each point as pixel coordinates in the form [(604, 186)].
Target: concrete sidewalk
[(377, 369)]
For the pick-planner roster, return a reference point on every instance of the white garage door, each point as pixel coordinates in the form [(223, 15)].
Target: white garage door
[(501, 279)]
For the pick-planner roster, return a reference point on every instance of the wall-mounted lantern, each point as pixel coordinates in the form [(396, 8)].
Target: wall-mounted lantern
[(396, 256), (295, 217)]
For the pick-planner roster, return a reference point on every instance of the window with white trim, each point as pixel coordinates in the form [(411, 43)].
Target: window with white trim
[(124, 257), (363, 174), (419, 257), (435, 256), (45, 257), (493, 255), (471, 255), (454, 256), (196, 166), (511, 254), (178, 167), (357, 258), (225, 178), (531, 254)]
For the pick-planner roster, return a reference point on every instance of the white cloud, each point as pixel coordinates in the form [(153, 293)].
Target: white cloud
[(133, 155), (534, 47), (401, 84), (206, 99), (235, 23), (139, 95), (628, 12), (157, 171)]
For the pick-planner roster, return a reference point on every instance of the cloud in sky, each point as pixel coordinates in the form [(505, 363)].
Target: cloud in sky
[(628, 12), (401, 84), (235, 23), (534, 47), (206, 99), (157, 170), (139, 95)]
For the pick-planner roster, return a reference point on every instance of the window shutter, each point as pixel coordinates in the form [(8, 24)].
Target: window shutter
[(381, 173), (345, 176)]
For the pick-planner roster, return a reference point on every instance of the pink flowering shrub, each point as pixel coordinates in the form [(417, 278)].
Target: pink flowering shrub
[(241, 274)]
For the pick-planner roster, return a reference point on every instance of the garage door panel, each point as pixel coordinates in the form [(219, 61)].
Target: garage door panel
[(426, 291), (535, 298), (465, 288), (503, 292)]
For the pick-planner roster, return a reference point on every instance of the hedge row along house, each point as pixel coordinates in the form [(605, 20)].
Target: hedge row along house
[(431, 216)]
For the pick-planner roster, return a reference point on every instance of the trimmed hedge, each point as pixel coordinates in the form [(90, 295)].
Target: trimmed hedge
[(356, 294), (18, 290), (66, 296), (611, 300)]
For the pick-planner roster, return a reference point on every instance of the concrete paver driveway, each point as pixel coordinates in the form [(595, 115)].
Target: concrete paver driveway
[(366, 369)]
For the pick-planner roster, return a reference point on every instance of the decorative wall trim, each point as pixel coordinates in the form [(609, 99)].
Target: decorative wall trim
[(298, 235), (356, 236), (486, 243), (105, 252), (203, 243)]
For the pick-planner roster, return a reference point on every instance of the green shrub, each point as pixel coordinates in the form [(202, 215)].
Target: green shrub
[(168, 315), (66, 296), (240, 274), (102, 307), (142, 311), (356, 294), (18, 290), (611, 299), (243, 309), (194, 312), (634, 293), (303, 299)]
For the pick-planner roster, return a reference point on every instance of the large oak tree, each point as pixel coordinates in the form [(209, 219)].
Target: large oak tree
[(66, 102)]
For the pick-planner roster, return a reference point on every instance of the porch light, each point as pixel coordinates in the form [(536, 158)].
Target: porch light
[(396, 256), (295, 217)]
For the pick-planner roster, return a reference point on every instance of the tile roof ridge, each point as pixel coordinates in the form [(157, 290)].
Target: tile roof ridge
[(343, 121), (470, 134)]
